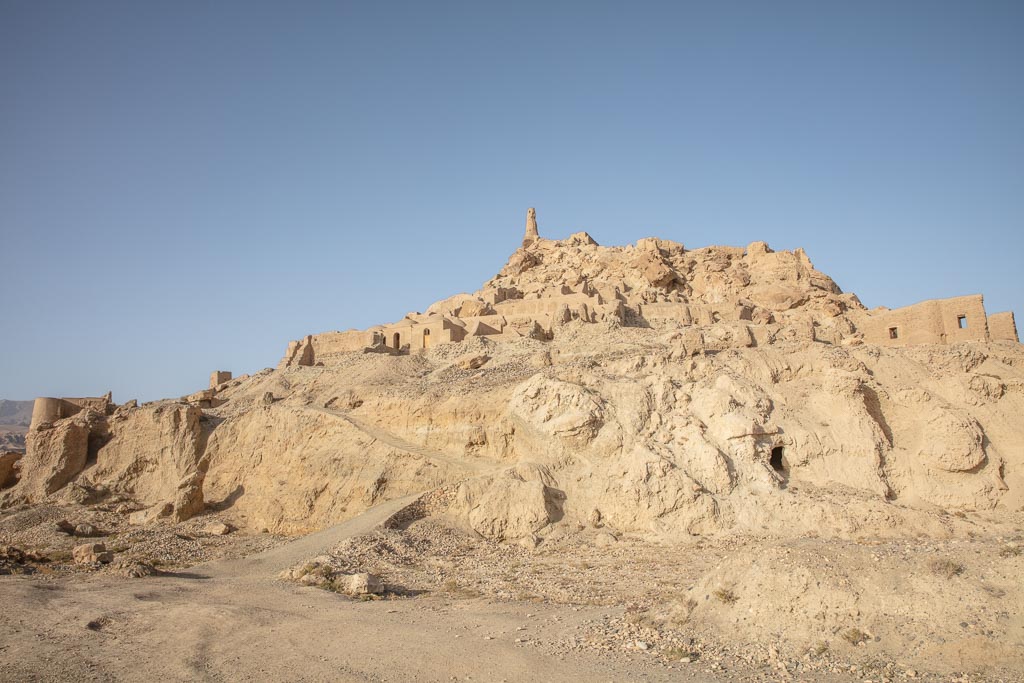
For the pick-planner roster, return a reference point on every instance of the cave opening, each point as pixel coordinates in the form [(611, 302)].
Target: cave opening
[(778, 461)]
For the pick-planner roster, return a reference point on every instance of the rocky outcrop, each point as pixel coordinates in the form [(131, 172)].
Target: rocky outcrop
[(56, 453), (92, 553), (509, 505), (9, 468), (682, 392), (155, 455)]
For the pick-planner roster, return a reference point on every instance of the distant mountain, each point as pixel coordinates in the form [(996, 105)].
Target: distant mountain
[(15, 417)]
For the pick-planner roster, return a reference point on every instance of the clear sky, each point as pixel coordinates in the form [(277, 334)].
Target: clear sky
[(185, 186)]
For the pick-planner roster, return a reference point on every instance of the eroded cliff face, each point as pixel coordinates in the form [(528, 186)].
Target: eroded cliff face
[(631, 427), (772, 417)]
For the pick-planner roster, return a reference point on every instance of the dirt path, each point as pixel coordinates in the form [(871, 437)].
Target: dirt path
[(270, 563), (395, 441)]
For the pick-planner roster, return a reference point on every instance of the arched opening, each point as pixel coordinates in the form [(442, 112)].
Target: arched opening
[(398, 340), (426, 339), (778, 461)]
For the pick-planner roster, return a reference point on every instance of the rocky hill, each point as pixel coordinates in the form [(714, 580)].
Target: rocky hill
[(650, 392)]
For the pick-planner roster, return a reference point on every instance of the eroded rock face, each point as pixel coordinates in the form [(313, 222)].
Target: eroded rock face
[(510, 505), (683, 392), (8, 470), (55, 455), (155, 454)]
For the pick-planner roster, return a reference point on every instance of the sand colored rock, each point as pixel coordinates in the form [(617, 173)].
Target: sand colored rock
[(217, 529), (9, 468), (363, 584), (513, 504), (729, 406), (155, 454), (90, 553), (55, 455)]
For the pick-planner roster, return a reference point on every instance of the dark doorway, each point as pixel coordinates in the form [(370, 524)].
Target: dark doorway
[(398, 339), (778, 461)]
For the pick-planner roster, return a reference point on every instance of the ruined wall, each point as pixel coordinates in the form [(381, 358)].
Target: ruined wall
[(339, 342), (929, 322), (218, 377), (422, 335), (299, 352), (1002, 326), (49, 409), (546, 306)]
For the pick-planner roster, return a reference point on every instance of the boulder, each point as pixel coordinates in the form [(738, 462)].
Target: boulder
[(134, 570), (362, 584), (91, 553), (86, 530), (8, 469), (218, 529), (472, 362), (509, 505)]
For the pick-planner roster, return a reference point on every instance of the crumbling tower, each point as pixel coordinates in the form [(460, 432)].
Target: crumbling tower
[(531, 227)]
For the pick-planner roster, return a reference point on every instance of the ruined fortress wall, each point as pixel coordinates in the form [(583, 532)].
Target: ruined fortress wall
[(49, 409), (421, 335), (666, 311), (539, 307), (1002, 326), (340, 342), (218, 377), (929, 322), (490, 324)]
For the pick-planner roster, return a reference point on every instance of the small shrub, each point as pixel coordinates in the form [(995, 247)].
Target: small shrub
[(675, 653), (1011, 551), (60, 556), (452, 587), (854, 636), (726, 596), (819, 648), (947, 568)]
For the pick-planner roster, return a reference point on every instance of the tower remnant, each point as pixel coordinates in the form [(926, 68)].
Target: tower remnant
[(531, 227)]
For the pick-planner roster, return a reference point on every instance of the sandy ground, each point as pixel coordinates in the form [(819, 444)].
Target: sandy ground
[(233, 619)]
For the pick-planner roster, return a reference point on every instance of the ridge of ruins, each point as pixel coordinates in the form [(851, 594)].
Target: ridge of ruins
[(658, 282)]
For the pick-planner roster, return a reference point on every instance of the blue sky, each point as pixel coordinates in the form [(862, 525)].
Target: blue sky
[(187, 186)]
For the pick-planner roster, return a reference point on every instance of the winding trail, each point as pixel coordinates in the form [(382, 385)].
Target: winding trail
[(395, 441), (270, 563)]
